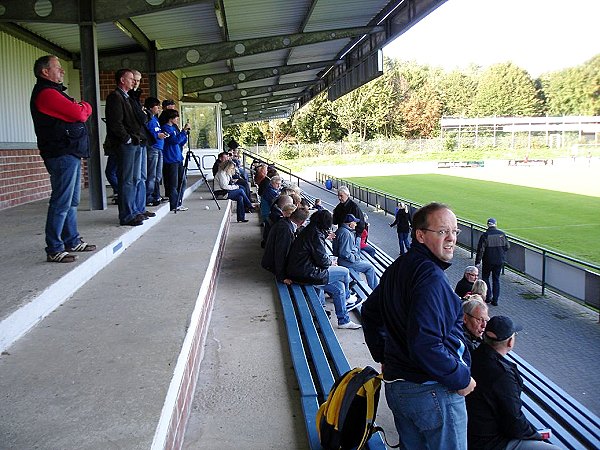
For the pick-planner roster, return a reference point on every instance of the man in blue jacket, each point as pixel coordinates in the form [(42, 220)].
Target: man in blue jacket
[(491, 252), (413, 325), (346, 246)]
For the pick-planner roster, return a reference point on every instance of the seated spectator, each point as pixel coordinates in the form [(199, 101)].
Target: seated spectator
[(479, 287), (475, 318), (270, 193), (261, 173), (364, 246), (308, 262), (221, 158), (234, 192), (347, 249), (348, 206), (465, 284), (494, 408), (280, 240), (317, 205), (275, 214)]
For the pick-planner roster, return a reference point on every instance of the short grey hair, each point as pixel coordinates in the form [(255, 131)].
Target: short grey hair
[(471, 305), (471, 269), (345, 190), (275, 179)]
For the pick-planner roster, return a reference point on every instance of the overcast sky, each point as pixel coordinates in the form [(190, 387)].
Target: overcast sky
[(537, 35)]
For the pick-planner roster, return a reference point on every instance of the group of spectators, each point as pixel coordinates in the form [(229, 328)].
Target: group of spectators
[(143, 149)]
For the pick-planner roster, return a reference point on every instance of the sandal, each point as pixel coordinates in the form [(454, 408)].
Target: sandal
[(61, 257), (82, 247)]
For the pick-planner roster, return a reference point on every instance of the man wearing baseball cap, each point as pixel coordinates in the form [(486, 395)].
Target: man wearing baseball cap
[(491, 252), (494, 408), (347, 249)]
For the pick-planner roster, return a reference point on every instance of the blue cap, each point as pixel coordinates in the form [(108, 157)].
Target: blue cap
[(350, 218), (491, 221)]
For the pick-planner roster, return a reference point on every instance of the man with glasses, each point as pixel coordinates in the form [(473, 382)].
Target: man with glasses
[(496, 419), (465, 285), (413, 325), (348, 206), (491, 252), (474, 321)]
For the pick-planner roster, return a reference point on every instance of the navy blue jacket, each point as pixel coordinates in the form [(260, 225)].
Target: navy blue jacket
[(413, 322), (492, 247)]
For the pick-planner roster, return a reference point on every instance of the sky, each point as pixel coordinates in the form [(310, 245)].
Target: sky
[(538, 35)]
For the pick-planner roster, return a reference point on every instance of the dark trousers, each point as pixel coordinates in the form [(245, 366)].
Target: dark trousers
[(493, 292), (173, 176)]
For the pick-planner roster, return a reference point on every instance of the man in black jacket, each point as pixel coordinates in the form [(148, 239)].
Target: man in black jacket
[(347, 206), (496, 420), (491, 252)]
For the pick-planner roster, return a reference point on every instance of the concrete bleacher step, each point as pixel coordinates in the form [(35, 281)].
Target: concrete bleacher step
[(107, 367)]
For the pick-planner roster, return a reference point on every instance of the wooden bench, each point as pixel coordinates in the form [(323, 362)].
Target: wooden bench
[(316, 354)]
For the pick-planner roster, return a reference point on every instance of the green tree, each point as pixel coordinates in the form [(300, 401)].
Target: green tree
[(422, 113), (457, 90), (506, 90)]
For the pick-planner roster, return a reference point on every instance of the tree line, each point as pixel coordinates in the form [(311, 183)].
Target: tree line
[(409, 100)]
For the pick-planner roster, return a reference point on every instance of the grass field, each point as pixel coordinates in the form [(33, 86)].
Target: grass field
[(563, 222)]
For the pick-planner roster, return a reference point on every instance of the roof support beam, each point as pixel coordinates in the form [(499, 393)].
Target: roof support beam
[(236, 94), (178, 58), (201, 83), (267, 100), (131, 29)]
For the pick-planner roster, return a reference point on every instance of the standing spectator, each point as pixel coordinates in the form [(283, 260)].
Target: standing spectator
[(156, 142), (346, 246), (124, 133), (308, 262), (225, 182), (62, 139), (425, 361), (474, 321), (491, 252), (173, 170), (496, 419), (348, 206), (402, 223), (465, 284)]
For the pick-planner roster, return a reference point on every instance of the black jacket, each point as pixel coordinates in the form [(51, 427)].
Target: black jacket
[(277, 247), (494, 407), (402, 221), (463, 287), (308, 259), (343, 209), (122, 122), (492, 247)]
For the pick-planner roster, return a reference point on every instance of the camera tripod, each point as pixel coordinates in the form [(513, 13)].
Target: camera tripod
[(190, 155)]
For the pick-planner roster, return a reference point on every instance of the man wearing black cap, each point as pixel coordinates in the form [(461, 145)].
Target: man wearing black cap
[(496, 419), (491, 252)]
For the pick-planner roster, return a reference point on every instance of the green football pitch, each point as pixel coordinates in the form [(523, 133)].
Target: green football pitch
[(563, 222)]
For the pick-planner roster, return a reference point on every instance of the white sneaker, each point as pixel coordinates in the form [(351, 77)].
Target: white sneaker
[(351, 300), (349, 326), (358, 303), (182, 208)]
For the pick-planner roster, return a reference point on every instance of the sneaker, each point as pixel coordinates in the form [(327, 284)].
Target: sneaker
[(349, 326), (182, 208), (351, 300), (358, 303)]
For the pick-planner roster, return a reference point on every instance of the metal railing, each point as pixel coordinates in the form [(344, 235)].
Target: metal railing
[(570, 276)]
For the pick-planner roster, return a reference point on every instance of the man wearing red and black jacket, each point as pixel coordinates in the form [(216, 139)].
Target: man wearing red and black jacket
[(62, 139)]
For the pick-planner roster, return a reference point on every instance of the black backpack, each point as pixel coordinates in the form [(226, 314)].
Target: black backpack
[(347, 418)]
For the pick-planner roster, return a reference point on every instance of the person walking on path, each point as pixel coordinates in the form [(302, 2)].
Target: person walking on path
[(491, 254), (62, 138), (424, 358), (402, 223)]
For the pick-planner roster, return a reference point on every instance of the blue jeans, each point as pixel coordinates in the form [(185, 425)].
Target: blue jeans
[(174, 177), (131, 187), (403, 242), (152, 180), (111, 173), (141, 192), (242, 200), (358, 267), (61, 221), (427, 416), (339, 289), (493, 292), (369, 250)]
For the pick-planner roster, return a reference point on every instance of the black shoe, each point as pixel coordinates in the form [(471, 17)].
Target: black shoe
[(141, 217), (243, 221), (134, 222), (494, 303)]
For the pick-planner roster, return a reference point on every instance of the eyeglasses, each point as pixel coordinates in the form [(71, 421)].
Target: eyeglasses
[(479, 319), (444, 233)]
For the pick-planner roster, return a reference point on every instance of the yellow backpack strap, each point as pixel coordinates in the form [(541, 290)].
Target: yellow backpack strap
[(370, 389)]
